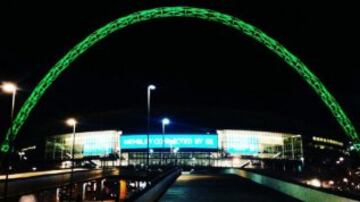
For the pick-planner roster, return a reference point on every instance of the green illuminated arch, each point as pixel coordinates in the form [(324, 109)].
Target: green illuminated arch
[(188, 12)]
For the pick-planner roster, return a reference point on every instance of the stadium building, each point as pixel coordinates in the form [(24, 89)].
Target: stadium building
[(225, 148)]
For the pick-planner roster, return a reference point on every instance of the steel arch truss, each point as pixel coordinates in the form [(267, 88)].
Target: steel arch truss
[(188, 12)]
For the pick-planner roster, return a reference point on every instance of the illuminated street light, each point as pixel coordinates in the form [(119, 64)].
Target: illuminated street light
[(149, 89), (165, 122), (72, 123), (152, 87), (9, 88)]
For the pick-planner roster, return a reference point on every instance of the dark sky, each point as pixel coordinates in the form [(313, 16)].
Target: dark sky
[(208, 76)]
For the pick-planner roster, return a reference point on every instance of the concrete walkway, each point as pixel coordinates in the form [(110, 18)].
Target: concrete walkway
[(219, 187)]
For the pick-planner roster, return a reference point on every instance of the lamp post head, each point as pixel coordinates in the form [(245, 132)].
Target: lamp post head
[(151, 87), (71, 122), (9, 87), (165, 121)]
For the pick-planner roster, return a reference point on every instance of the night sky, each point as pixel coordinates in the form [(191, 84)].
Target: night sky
[(208, 76)]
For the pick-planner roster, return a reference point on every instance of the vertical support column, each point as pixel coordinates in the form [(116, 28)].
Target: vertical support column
[(98, 188), (292, 148), (102, 185), (57, 193), (78, 191), (283, 148), (301, 147), (302, 153), (209, 159), (83, 191), (53, 151)]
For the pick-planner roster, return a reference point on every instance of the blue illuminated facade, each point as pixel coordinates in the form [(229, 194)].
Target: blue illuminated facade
[(168, 141)]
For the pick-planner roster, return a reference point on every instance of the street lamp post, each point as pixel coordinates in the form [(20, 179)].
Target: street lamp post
[(9, 88), (149, 89), (72, 123), (164, 122)]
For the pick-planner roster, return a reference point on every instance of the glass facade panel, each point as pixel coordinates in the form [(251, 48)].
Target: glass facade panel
[(87, 144), (260, 144)]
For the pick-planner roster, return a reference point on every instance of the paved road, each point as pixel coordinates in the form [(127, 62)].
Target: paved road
[(219, 187)]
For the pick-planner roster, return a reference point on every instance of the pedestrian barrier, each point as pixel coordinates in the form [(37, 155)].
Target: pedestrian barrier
[(154, 193)]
